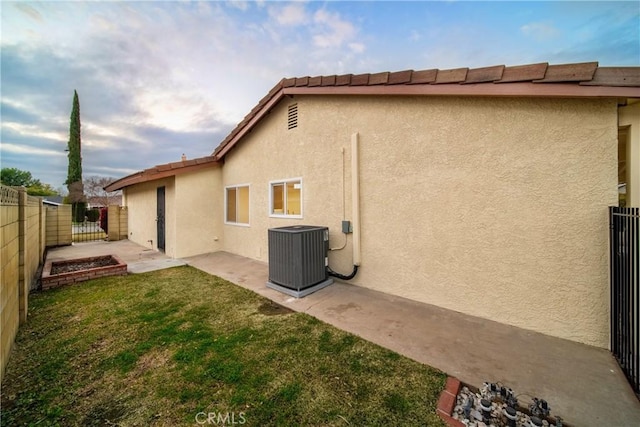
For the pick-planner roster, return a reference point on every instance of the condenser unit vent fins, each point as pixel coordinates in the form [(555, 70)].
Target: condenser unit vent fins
[(292, 118), (298, 259)]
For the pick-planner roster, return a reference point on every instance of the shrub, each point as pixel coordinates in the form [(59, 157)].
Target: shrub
[(93, 215), (78, 211)]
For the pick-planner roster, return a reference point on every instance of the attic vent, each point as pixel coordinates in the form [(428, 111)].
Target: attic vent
[(292, 118)]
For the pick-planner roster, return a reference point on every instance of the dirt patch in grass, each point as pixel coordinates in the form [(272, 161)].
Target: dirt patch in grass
[(270, 308), (162, 347)]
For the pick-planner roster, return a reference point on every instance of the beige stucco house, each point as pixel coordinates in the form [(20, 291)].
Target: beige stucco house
[(483, 191)]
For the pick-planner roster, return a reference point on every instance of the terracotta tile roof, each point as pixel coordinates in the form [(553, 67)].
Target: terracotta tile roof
[(531, 80), (163, 171)]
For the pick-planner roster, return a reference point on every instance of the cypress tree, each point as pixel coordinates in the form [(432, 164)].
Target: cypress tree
[(74, 175)]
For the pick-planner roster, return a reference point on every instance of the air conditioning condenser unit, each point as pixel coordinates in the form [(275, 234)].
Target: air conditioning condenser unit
[(298, 259)]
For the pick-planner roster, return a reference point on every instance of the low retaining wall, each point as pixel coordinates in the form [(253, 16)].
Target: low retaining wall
[(51, 281)]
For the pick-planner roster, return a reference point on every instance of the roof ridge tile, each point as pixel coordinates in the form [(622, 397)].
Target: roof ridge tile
[(615, 76), (328, 80), (360, 79), (484, 74), (302, 81), (455, 75), (521, 73), (379, 78), (315, 81), (423, 76), (344, 79), (399, 77), (569, 72)]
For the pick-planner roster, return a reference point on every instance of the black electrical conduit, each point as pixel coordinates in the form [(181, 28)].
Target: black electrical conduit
[(342, 276)]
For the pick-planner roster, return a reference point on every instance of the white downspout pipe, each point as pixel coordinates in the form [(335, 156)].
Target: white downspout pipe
[(355, 198)]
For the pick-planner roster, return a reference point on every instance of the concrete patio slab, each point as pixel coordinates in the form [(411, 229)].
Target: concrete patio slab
[(153, 264), (138, 258), (582, 384)]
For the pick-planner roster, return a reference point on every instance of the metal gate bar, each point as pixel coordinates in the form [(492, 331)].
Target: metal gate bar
[(92, 228), (624, 226)]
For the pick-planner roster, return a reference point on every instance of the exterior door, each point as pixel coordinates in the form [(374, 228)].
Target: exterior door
[(160, 219)]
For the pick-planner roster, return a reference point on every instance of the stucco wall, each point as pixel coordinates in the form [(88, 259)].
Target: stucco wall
[(199, 212), (492, 207), (141, 200)]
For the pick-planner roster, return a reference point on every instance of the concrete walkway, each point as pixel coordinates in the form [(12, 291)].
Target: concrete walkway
[(582, 384), (138, 258)]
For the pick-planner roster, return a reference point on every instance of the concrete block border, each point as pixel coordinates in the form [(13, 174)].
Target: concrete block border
[(447, 402)]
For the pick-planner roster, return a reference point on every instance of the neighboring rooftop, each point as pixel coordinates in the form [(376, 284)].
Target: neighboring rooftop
[(55, 200)]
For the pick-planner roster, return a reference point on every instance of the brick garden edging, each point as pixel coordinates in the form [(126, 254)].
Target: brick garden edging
[(51, 281), (447, 402)]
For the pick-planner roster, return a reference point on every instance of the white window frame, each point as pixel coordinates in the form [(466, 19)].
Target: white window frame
[(224, 213), (285, 182)]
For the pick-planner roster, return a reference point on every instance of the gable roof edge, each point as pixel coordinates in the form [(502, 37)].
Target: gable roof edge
[(162, 171), (246, 125)]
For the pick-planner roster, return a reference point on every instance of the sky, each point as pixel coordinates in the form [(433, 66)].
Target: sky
[(157, 79)]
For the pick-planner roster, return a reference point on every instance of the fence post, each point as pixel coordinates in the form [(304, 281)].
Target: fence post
[(124, 222), (23, 281), (113, 219), (117, 218), (42, 223)]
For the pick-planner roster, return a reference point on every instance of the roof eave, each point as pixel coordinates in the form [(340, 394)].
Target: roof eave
[(522, 89), (162, 171)]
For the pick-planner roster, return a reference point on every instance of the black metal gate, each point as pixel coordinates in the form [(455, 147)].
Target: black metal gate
[(92, 227), (624, 225), (160, 218)]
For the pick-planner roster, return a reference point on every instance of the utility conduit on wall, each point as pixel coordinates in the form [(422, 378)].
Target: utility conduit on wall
[(355, 197), (355, 200)]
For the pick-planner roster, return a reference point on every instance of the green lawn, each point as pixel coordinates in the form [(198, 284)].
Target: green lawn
[(176, 346)]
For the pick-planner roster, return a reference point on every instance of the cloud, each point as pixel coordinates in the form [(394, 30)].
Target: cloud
[(29, 11), (238, 4), (357, 47), (10, 110), (540, 31), (332, 31), (23, 149), (33, 131), (293, 14)]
